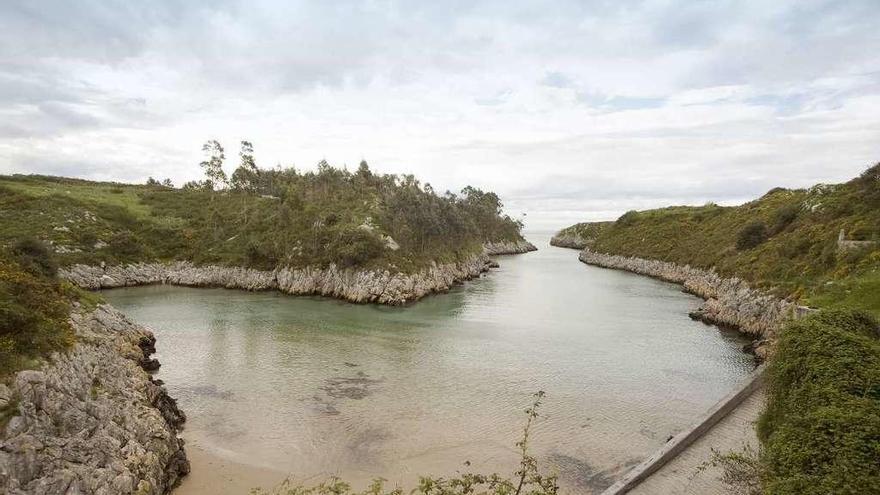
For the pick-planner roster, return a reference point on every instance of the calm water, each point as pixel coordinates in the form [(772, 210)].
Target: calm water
[(316, 387)]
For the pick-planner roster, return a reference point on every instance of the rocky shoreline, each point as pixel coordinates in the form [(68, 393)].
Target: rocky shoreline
[(571, 241), (93, 420), (358, 286), (508, 247), (729, 302)]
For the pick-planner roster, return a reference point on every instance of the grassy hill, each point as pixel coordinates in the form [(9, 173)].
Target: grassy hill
[(283, 217), (785, 241)]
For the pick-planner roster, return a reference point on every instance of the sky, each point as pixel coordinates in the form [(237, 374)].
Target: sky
[(570, 111)]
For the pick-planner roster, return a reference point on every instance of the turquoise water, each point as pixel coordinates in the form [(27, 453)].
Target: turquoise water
[(316, 387)]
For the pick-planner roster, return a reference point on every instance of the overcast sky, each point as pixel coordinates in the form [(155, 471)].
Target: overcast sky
[(569, 110)]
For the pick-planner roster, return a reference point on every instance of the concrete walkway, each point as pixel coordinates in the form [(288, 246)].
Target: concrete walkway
[(681, 475)]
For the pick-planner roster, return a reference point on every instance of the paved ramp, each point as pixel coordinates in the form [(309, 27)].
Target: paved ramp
[(681, 475)]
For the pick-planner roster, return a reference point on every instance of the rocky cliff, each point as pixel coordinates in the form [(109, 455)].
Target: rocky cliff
[(508, 247), (92, 420), (360, 286), (729, 301), (568, 240)]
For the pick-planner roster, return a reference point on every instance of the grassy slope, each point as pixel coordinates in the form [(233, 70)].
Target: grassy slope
[(799, 257), (318, 220)]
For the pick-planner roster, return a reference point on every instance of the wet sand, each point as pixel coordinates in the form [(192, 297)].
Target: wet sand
[(217, 475)]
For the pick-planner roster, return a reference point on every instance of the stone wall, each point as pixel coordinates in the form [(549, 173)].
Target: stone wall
[(92, 420)]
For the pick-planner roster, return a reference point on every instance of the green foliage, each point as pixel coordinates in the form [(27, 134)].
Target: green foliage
[(269, 218), (751, 236), (526, 480), (35, 256), (741, 470), (34, 308), (798, 257), (821, 428)]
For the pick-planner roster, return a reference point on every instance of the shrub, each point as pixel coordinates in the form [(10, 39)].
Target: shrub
[(627, 218), (821, 428), (33, 314), (35, 256), (784, 216), (125, 244), (751, 236)]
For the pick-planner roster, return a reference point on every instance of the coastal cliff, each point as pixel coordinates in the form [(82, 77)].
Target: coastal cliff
[(92, 420), (728, 301)]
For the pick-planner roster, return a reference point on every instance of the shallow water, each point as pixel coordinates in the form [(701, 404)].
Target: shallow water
[(319, 387)]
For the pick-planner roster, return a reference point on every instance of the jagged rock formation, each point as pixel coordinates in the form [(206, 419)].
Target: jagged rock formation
[(729, 301), (92, 420), (569, 240), (360, 286), (508, 247)]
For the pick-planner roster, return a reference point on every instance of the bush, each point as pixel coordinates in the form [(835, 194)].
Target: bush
[(821, 428), (33, 315), (785, 216), (35, 256), (125, 244), (751, 236), (627, 218)]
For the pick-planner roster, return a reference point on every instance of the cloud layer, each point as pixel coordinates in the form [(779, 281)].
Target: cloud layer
[(570, 110)]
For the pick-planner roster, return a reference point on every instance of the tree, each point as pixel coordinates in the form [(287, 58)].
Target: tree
[(247, 176), (167, 183), (213, 165), (153, 182)]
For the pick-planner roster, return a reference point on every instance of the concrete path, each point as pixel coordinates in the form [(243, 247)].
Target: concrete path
[(681, 475)]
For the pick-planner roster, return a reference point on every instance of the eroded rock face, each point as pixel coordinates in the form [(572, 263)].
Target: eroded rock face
[(508, 247), (569, 241), (92, 420), (729, 301), (361, 286)]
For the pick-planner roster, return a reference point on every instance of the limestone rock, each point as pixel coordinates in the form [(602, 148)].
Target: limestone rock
[(728, 301), (91, 420)]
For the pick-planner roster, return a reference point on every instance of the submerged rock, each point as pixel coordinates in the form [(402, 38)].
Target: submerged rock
[(92, 420)]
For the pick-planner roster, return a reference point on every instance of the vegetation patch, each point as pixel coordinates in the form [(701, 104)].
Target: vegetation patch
[(34, 309), (257, 218), (785, 242), (821, 428)]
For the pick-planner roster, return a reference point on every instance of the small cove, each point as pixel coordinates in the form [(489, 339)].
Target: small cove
[(316, 387)]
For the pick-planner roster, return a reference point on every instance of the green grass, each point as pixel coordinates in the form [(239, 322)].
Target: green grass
[(34, 311), (793, 253)]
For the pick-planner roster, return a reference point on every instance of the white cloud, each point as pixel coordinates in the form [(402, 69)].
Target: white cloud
[(571, 110)]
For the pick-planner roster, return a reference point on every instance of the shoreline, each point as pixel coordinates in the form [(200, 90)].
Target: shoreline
[(218, 475), (727, 302), (352, 285)]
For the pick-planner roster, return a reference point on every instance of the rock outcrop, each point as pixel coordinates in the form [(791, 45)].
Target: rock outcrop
[(360, 286), (92, 420), (728, 301), (569, 240), (508, 247)]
